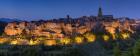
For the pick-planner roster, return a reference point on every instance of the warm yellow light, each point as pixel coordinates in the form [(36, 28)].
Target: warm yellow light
[(78, 40), (3, 40), (14, 42), (65, 41), (113, 36), (105, 37), (31, 42), (50, 42), (90, 38), (40, 38), (49, 36), (125, 35)]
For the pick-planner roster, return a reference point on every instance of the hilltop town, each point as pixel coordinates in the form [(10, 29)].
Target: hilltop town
[(68, 28), (65, 36)]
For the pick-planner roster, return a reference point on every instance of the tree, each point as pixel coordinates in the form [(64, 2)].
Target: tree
[(129, 52), (116, 51), (31, 52), (136, 49), (73, 52)]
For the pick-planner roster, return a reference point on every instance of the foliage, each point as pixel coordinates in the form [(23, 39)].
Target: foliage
[(116, 51), (73, 52), (128, 52), (30, 52), (136, 49)]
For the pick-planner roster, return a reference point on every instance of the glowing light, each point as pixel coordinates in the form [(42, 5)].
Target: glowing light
[(49, 36), (14, 42), (50, 42), (125, 35), (113, 36), (90, 37), (78, 40), (65, 41), (105, 37), (31, 42), (3, 40)]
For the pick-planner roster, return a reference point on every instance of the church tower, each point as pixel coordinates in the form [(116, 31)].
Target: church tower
[(100, 14)]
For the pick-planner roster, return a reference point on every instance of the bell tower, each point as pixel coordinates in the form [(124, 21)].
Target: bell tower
[(100, 14)]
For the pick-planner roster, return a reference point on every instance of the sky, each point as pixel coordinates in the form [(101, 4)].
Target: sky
[(50, 9)]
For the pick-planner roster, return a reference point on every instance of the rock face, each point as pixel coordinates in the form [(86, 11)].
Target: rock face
[(60, 28)]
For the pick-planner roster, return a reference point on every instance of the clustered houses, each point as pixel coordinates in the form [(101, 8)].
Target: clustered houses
[(70, 27), (47, 28), (61, 28), (111, 27)]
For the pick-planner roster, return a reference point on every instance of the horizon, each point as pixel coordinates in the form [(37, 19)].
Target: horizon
[(52, 9)]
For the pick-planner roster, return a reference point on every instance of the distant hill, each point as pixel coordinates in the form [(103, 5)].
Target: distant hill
[(7, 20)]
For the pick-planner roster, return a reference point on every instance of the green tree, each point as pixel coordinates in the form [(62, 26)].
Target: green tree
[(30, 52), (129, 52), (116, 51), (136, 49), (73, 52)]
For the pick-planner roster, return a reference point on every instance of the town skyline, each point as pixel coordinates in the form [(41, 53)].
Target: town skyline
[(50, 9), (69, 28)]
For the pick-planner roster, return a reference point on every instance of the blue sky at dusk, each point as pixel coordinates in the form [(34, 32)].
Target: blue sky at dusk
[(49, 9)]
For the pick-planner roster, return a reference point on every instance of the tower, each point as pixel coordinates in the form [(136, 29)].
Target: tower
[(68, 17), (100, 14)]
